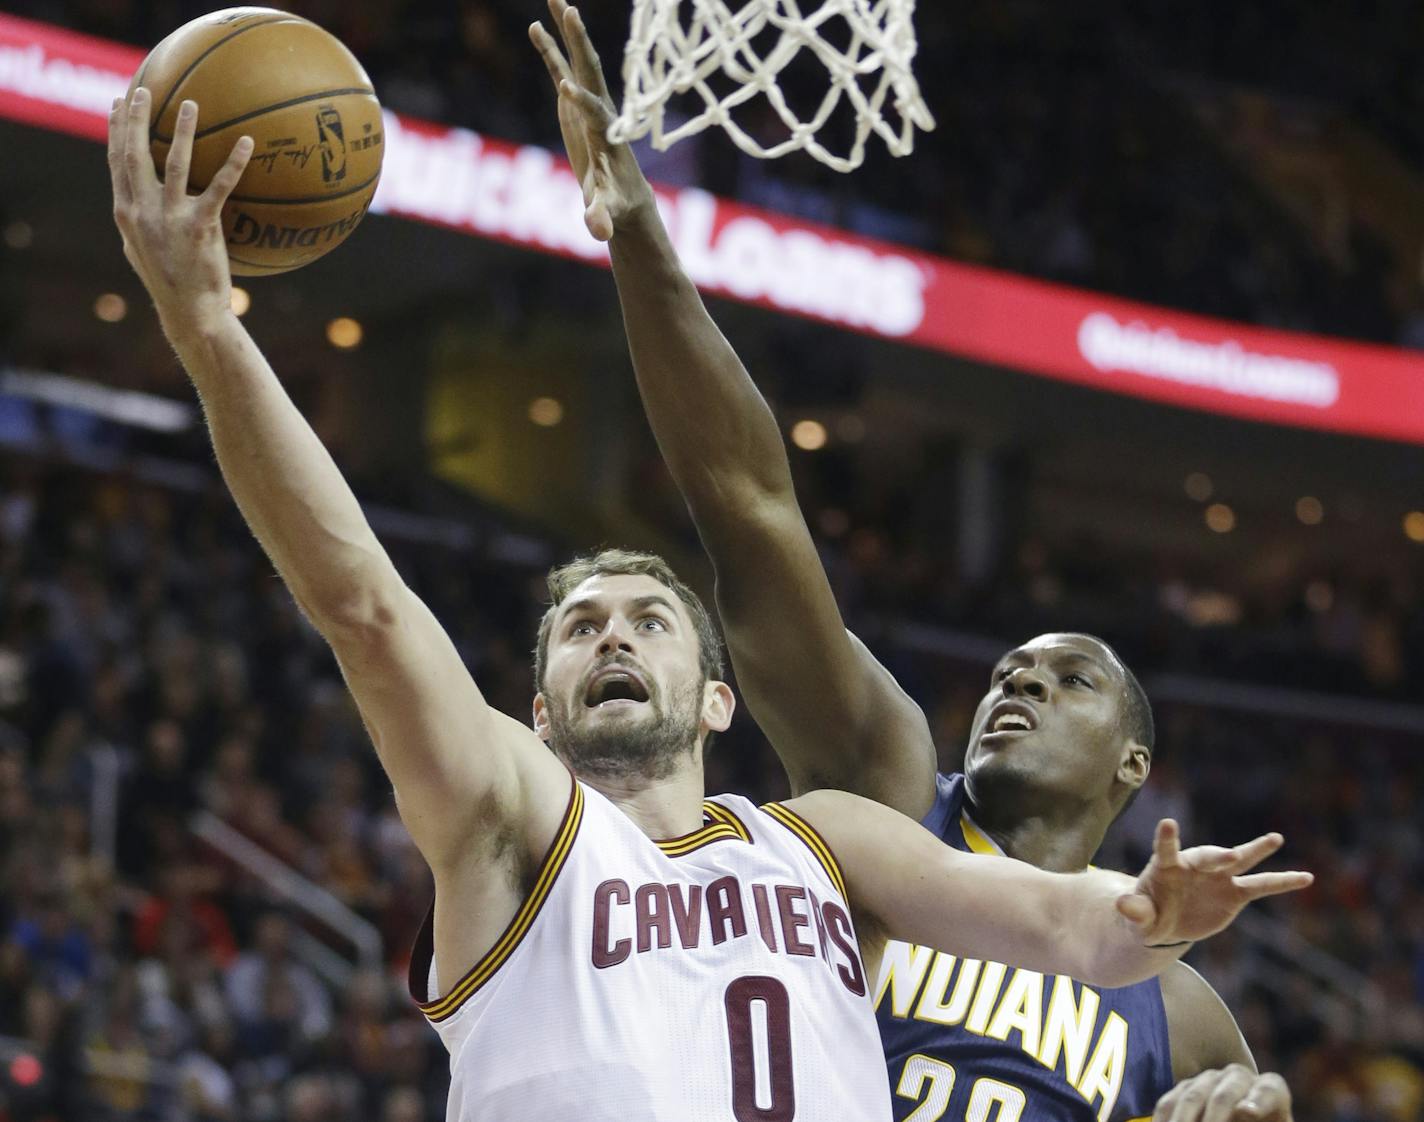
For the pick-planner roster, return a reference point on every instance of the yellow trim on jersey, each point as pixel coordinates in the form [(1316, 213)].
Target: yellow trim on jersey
[(716, 831), (719, 813), (814, 842), (483, 970), (977, 840), (980, 842), (723, 825)]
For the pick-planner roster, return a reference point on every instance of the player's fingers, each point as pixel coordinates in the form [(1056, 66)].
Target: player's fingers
[(1138, 909), (557, 9), (593, 106), (549, 51), (598, 220), (1268, 1100), (1232, 1085), (1258, 885), (1252, 853), (226, 178), (1186, 1101), (584, 58), (118, 172), (1167, 844), (180, 153), (138, 162), (1209, 859)]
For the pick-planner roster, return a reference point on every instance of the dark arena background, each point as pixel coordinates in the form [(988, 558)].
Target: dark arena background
[(1132, 344)]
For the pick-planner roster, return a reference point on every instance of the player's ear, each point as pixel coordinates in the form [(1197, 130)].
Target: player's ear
[(718, 705), (541, 717), (1135, 765)]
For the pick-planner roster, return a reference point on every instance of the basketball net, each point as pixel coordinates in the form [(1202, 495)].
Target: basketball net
[(666, 57)]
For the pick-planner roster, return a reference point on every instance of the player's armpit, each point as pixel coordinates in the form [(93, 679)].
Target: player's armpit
[(461, 770)]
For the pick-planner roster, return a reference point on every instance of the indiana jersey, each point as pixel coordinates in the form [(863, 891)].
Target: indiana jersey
[(972, 1041), (711, 978)]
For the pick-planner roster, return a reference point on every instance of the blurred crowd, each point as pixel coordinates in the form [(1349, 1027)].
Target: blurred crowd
[(151, 667), (1058, 152)]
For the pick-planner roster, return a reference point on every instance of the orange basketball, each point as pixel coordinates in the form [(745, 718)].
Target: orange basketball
[(308, 105)]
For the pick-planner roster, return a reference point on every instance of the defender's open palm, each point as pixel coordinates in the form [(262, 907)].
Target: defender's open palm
[(613, 184), (1185, 895), (173, 239)]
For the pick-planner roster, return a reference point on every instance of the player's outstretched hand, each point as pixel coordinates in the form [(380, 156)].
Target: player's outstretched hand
[(613, 184), (1229, 1094), (173, 239), (1184, 895)]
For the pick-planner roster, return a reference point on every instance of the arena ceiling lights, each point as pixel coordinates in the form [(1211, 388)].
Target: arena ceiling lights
[(527, 196)]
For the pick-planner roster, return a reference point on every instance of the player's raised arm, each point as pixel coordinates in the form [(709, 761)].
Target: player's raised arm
[(835, 716), (1100, 927), (454, 761)]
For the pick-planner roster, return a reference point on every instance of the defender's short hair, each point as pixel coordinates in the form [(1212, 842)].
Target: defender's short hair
[(563, 579), (1138, 717)]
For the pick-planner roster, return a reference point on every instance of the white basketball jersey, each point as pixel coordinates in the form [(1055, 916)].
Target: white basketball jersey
[(711, 978)]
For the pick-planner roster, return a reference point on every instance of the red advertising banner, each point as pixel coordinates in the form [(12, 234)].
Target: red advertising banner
[(527, 196)]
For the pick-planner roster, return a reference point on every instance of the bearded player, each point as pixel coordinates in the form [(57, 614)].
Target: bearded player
[(1061, 741), (605, 944)]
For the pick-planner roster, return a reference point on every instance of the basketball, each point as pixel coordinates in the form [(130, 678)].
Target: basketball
[(308, 106)]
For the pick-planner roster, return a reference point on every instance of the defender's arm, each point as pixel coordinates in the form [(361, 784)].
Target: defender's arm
[(1100, 927), (1215, 1071), (835, 716), (454, 761)]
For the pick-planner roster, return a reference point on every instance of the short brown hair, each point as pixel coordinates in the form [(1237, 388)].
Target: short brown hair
[(563, 579)]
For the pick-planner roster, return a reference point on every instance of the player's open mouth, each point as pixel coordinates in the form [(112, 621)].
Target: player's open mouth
[(1010, 718), (614, 687)]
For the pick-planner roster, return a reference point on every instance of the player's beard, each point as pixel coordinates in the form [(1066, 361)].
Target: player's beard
[(648, 748)]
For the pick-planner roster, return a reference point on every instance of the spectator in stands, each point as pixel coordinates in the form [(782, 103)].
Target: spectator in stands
[(268, 988)]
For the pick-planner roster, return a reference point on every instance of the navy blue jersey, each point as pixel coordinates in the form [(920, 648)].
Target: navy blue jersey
[(971, 1041)]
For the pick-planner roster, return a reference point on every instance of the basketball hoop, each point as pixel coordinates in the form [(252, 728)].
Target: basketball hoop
[(752, 45)]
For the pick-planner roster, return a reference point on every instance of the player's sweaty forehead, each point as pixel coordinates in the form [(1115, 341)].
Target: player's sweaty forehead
[(1064, 648), (628, 594)]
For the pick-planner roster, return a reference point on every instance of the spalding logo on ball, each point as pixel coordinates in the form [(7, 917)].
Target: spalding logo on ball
[(308, 105)]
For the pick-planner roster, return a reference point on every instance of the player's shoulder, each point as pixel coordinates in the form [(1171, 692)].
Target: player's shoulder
[(948, 804)]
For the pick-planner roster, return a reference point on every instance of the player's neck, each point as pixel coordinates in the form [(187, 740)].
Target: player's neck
[(1060, 843), (667, 807)]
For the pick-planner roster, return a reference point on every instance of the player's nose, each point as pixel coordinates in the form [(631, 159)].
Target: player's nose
[(1026, 682), (617, 636)]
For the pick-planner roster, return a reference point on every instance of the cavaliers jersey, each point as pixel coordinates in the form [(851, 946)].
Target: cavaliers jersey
[(711, 978), (972, 1041)]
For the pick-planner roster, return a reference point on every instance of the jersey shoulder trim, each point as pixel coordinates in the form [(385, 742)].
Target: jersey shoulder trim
[(976, 839), (445, 1007), (721, 825), (813, 841)]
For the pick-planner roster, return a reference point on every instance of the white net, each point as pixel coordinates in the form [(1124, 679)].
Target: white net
[(752, 45)]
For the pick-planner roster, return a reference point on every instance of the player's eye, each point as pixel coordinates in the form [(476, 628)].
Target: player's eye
[(1077, 679), (1002, 673), (582, 628), (652, 623)]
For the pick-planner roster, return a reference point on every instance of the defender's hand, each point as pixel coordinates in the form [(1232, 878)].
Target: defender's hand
[(1187, 895), (173, 240), (613, 184), (1230, 1094)]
